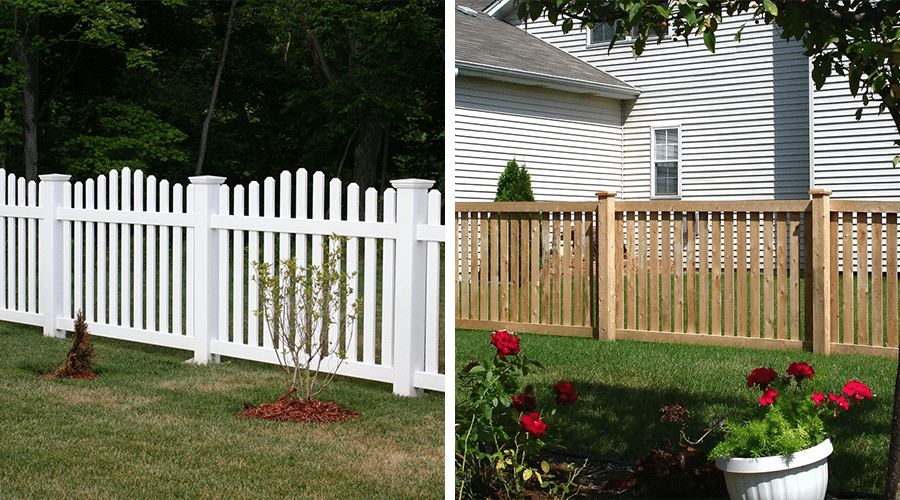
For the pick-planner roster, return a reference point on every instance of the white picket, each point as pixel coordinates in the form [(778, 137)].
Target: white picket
[(22, 245), (3, 261), (237, 293), (432, 289), (177, 259), (32, 250), (351, 333), (165, 270), (387, 281), (137, 281), (103, 256), (253, 323), (90, 307), (152, 267), (370, 281)]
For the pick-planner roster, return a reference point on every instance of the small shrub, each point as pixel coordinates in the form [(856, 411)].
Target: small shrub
[(80, 359), (299, 306), (514, 184)]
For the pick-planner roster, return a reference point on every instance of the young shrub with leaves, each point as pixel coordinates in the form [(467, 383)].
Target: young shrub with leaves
[(514, 184), (300, 307)]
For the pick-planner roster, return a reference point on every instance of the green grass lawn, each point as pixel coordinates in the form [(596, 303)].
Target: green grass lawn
[(154, 427), (623, 384)]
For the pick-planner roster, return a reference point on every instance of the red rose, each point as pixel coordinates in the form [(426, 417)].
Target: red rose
[(533, 424), (761, 377), (800, 371), (565, 393), (505, 343), (524, 402), (857, 390)]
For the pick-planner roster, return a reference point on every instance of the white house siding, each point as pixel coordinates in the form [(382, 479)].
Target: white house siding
[(743, 111), (853, 159), (571, 144)]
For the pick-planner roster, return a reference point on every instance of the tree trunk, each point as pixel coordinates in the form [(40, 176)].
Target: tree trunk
[(204, 134), (30, 60), (892, 486), (367, 153)]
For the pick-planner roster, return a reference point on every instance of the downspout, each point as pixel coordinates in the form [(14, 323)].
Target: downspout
[(812, 128)]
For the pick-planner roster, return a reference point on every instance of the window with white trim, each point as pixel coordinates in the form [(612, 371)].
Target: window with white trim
[(605, 32), (666, 167)]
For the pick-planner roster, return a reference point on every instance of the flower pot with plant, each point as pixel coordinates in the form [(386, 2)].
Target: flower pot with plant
[(782, 452)]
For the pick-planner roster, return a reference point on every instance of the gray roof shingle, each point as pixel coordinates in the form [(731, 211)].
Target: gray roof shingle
[(495, 46)]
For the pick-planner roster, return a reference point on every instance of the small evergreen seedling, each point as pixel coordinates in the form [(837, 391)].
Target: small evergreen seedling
[(514, 184), (80, 360)]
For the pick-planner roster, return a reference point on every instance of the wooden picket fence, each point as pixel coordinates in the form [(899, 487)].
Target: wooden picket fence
[(815, 274)]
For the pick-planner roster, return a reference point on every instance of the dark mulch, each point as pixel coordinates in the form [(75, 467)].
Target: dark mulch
[(288, 409), (659, 475)]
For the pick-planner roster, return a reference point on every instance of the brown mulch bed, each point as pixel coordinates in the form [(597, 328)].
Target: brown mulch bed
[(287, 409)]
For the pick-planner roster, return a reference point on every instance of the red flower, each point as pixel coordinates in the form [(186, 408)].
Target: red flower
[(768, 397), (565, 393), (533, 424), (818, 398), (800, 371), (505, 343), (834, 398), (857, 390), (524, 402), (761, 377)]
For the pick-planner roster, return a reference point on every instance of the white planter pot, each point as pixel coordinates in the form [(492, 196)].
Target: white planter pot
[(800, 476)]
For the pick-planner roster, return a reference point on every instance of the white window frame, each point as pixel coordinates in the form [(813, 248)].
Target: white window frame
[(653, 160), (626, 39)]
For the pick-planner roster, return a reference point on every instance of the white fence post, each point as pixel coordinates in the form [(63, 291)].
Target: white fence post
[(409, 311), (205, 264), (50, 263)]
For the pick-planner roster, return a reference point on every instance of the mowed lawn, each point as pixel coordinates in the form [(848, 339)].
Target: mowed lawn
[(623, 385), (154, 427)]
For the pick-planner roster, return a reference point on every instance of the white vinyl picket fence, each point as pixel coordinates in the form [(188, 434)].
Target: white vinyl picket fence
[(171, 265)]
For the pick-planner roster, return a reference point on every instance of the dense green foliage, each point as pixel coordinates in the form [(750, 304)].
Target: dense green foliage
[(514, 184), (354, 89)]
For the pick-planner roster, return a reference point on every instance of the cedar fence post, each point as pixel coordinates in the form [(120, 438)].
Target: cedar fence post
[(821, 266), (606, 265)]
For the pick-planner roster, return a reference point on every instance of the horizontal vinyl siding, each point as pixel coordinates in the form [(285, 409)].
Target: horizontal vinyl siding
[(854, 159), (571, 144), (743, 111)]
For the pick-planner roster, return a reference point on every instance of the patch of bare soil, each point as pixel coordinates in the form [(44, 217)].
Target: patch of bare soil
[(288, 409)]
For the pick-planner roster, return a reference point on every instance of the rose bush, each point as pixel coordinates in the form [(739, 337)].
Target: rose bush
[(791, 417), (500, 433)]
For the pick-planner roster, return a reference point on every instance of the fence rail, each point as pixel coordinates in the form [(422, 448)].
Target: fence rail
[(172, 265), (805, 274)]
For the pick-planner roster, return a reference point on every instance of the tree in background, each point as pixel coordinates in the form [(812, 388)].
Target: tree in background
[(514, 184), (857, 39), (354, 89)]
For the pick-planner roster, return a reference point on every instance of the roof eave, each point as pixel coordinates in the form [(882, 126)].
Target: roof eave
[(547, 81)]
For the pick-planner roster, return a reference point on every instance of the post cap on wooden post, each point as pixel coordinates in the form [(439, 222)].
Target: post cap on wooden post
[(819, 192), (605, 194)]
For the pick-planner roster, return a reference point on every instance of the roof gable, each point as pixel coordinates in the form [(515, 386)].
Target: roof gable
[(494, 49)]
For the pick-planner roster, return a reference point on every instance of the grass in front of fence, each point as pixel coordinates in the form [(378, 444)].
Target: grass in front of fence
[(622, 385), (154, 427)]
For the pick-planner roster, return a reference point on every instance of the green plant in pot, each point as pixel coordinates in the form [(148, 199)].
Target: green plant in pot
[(785, 444)]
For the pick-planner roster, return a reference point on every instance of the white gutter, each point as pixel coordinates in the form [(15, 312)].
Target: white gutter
[(529, 78)]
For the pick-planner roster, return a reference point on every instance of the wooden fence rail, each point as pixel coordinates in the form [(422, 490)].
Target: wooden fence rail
[(804, 274)]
